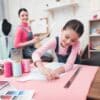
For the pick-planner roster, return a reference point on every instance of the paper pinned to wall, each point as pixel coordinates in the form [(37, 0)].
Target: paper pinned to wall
[(35, 74), (39, 26)]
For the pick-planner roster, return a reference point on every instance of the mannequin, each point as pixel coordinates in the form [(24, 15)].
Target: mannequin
[(6, 28)]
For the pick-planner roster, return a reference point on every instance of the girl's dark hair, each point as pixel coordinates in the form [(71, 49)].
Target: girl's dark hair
[(76, 25), (22, 9)]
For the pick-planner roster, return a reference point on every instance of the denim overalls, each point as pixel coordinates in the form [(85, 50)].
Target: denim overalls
[(28, 50), (63, 58)]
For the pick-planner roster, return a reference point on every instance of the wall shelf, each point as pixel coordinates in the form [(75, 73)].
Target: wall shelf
[(61, 5), (93, 35), (94, 50)]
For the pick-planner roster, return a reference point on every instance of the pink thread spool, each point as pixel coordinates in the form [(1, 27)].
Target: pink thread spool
[(7, 69), (25, 65)]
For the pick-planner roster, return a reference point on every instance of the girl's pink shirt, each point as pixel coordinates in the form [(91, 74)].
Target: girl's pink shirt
[(21, 35), (52, 45)]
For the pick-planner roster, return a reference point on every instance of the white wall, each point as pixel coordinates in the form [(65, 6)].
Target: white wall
[(34, 7), (1, 9), (58, 17)]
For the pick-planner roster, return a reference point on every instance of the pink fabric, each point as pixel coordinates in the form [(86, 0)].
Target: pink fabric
[(54, 90), (52, 45), (20, 35)]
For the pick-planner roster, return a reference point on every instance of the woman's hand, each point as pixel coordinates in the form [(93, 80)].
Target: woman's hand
[(36, 39)]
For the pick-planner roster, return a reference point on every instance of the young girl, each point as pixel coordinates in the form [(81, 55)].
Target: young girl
[(23, 36), (66, 47)]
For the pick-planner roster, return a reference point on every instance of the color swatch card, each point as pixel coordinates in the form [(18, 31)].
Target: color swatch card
[(3, 84), (17, 95)]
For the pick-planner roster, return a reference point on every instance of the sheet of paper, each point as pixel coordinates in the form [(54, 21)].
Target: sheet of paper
[(35, 74)]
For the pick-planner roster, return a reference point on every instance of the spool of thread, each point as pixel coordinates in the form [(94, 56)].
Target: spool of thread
[(7, 69), (17, 71), (25, 65)]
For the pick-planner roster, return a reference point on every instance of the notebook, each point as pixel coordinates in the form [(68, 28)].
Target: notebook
[(3, 84)]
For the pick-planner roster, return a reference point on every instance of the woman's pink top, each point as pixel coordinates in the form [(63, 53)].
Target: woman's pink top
[(21, 35), (52, 45)]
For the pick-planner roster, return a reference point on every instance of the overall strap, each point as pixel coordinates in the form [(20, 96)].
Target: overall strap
[(57, 47), (23, 28), (30, 35), (57, 44), (69, 49)]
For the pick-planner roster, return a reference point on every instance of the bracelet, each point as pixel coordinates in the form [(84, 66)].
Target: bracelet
[(35, 63)]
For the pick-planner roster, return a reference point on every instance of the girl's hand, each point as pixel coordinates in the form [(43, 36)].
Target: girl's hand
[(55, 75), (50, 75), (47, 73), (57, 72)]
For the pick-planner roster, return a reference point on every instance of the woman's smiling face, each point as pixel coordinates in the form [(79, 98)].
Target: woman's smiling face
[(23, 16)]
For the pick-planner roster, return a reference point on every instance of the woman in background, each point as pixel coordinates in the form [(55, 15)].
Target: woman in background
[(23, 36)]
